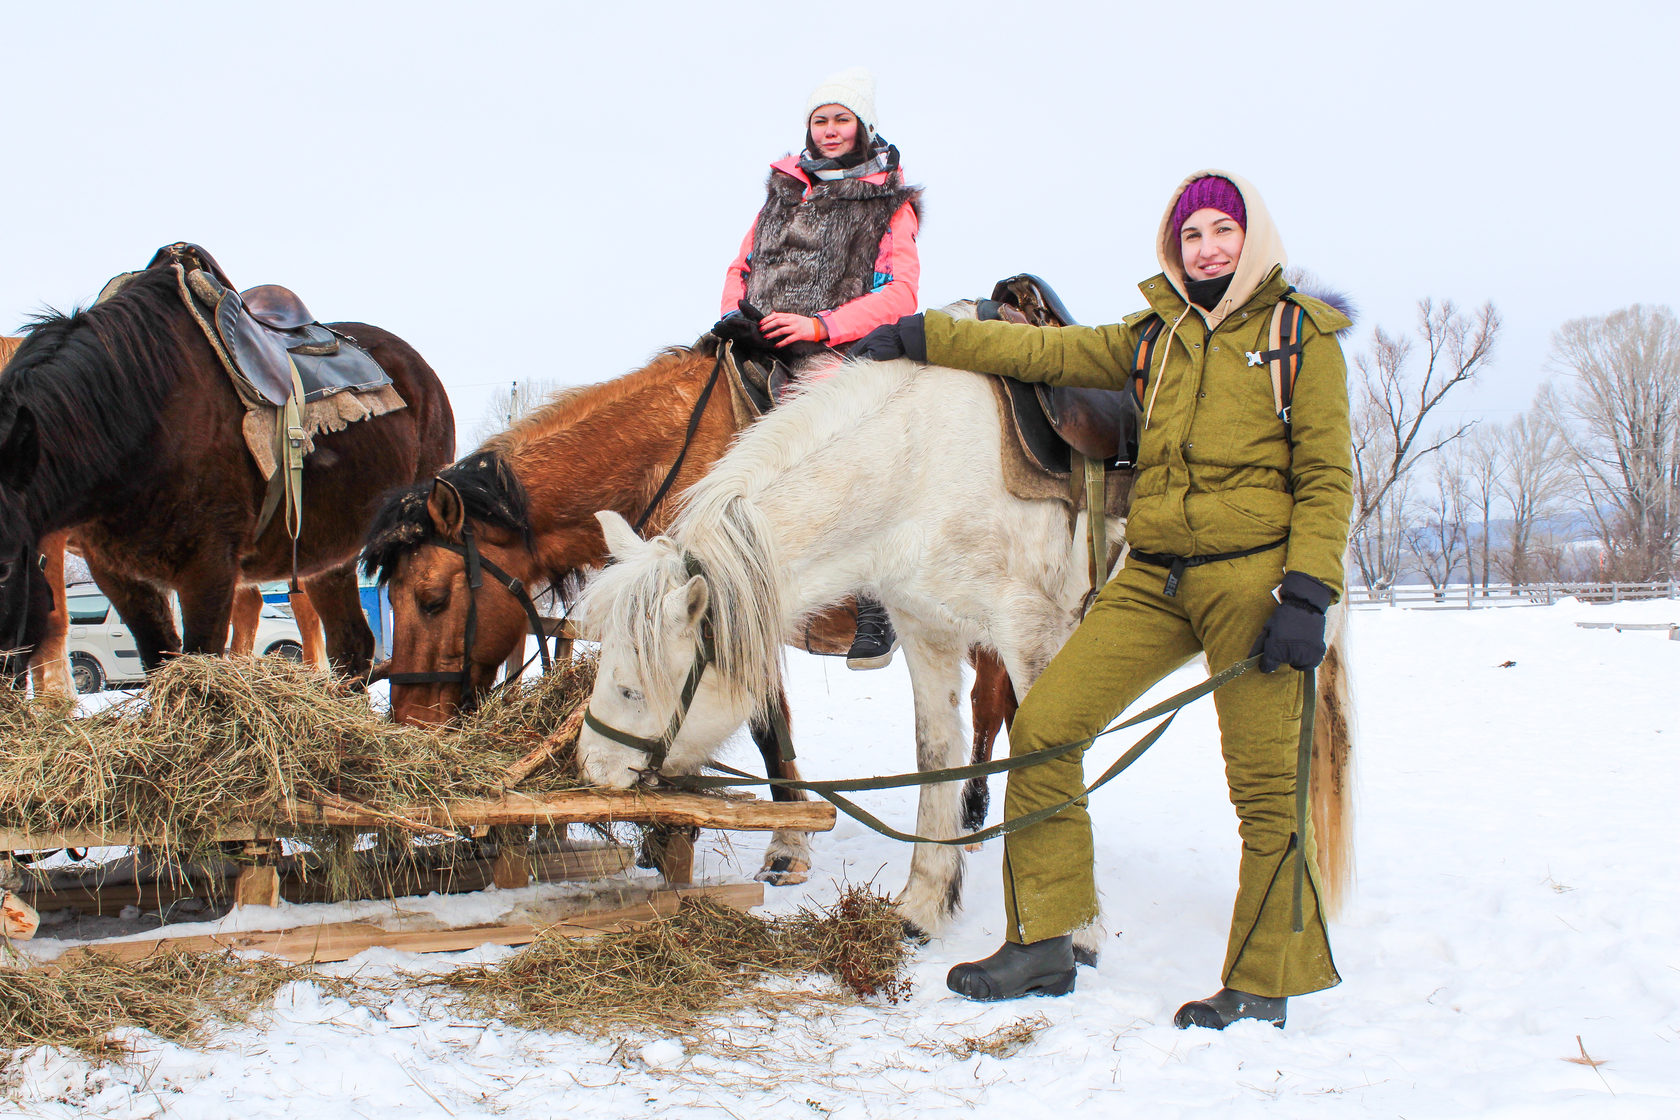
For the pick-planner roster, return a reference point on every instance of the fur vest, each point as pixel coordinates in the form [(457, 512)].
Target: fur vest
[(814, 254)]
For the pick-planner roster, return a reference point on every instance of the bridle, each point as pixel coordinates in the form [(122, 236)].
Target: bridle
[(477, 565), (705, 652)]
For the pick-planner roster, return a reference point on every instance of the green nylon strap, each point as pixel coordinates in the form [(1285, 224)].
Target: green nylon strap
[(1303, 776), (831, 791)]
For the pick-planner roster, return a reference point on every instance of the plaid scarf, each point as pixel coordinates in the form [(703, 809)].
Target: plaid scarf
[(881, 156)]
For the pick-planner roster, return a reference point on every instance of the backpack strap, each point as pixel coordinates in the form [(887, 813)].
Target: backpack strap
[(1145, 351), (1284, 357)]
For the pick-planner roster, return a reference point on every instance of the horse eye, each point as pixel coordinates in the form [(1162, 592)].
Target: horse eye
[(630, 694), (434, 606)]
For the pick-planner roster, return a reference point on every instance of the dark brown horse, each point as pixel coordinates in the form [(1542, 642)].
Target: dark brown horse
[(120, 421), (529, 499)]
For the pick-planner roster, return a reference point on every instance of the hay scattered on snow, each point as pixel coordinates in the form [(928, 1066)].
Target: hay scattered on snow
[(214, 742), (671, 978), (176, 996)]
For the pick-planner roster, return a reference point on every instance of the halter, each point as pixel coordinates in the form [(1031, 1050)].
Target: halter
[(705, 653), (476, 566)]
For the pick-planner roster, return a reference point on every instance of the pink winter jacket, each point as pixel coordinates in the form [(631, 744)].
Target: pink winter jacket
[(897, 271)]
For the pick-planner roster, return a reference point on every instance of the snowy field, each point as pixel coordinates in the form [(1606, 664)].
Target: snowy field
[(1519, 887)]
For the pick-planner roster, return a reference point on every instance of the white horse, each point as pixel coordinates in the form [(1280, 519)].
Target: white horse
[(886, 479)]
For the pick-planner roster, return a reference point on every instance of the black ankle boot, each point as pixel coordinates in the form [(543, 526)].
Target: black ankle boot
[(1219, 1011), (873, 647), (1044, 968)]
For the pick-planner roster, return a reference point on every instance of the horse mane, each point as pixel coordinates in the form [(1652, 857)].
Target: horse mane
[(490, 492), (568, 406), (722, 527), (97, 380)]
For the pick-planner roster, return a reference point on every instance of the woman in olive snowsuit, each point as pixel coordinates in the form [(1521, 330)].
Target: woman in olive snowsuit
[(1259, 508)]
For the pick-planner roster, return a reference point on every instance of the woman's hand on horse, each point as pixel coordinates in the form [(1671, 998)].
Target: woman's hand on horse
[(906, 338), (736, 327), (784, 329)]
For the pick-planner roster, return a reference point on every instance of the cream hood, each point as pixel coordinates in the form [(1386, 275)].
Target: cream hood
[(1262, 249)]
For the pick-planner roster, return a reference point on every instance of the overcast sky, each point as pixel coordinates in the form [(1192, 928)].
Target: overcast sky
[(553, 191)]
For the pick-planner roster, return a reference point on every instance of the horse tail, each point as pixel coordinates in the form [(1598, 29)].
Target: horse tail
[(1332, 769)]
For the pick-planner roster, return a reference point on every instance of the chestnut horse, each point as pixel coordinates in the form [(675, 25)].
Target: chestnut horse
[(118, 421), (529, 497)]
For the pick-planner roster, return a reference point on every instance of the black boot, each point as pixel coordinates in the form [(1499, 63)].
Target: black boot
[(873, 647), (1043, 968), (1220, 1011)]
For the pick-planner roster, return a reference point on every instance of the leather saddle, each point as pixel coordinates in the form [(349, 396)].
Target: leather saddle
[(267, 331), (1054, 422)]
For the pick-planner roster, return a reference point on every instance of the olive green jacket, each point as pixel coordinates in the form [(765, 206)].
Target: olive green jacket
[(1218, 471)]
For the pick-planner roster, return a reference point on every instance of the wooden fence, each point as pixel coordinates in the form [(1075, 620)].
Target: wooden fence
[(1466, 596)]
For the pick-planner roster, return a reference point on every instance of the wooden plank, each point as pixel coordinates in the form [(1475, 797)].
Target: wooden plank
[(676, 858), (459, 878), (512, 867), (338, 941), (18, 919), (735, 814)]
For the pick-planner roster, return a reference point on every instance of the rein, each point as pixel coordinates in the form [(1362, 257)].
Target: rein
[(477, 565), (688, 439)]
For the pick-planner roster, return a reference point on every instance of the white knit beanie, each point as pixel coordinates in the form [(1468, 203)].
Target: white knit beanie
[(854, 88)]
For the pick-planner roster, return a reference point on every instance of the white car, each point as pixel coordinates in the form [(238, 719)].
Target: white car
[(103, 653)]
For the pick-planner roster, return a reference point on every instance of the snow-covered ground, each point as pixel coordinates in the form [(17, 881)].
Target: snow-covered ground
[(1519, 888)]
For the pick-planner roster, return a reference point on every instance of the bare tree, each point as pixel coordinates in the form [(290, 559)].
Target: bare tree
[(1442, 539), (1618, 413), (1532, 481), (1475, 463), (517, 400), (1392, 401)]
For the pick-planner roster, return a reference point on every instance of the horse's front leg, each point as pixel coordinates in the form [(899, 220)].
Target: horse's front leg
[(934, 890), (207, 592), (144, 610), (787, 859)]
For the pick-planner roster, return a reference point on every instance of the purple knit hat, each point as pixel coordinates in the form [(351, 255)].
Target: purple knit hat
[(1210, 192)]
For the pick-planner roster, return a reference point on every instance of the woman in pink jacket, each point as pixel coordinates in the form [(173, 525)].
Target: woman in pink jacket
[(830, 257)]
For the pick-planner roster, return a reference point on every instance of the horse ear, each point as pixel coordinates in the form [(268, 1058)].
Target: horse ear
[(447, 511), (20, 450), (622, 540), (691, 599)]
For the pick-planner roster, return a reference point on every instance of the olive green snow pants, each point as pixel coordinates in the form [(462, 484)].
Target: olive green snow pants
[(1133, 636)]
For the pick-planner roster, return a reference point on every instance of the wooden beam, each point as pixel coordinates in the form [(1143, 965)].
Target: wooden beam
[(737, 813), (339, 941), (457, 878)]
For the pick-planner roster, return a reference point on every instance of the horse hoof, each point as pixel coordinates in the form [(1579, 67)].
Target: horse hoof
[(784, 871), (914, 933), (1086, 957)]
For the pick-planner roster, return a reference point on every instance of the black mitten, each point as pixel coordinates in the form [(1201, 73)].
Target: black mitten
[(1294, 634), (906, 338)]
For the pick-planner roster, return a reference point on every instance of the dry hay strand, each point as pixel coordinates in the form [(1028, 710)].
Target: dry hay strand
[(670, 978), (178, 997), (219, 742), (1005, 1042)]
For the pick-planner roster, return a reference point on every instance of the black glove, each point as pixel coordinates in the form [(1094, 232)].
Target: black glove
[(906, 338), (738, 328), (1294, 635)]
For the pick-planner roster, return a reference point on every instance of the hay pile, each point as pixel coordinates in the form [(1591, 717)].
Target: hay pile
[(176, 996), (214, 742), (670, 978)]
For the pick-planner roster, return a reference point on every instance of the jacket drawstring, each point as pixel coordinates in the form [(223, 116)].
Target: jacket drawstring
[(1166, 354)]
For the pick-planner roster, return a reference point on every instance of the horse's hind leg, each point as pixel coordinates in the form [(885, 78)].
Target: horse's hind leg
[(247, 608), (787, 859), (338, 602), (309, 629), (934, 889), (993, 703)]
